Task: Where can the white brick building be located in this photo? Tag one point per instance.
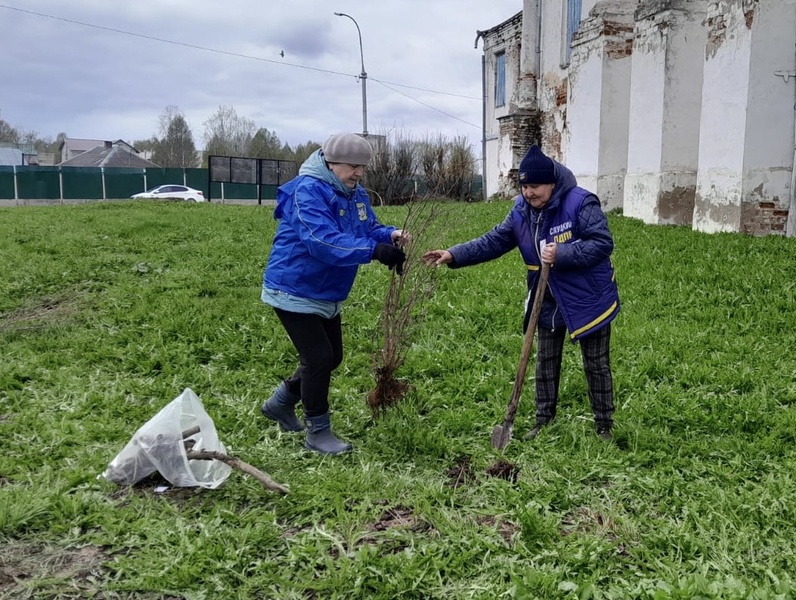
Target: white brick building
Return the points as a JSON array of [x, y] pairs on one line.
[[676, 111]]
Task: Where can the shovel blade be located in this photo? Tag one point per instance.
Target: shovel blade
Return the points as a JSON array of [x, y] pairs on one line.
[[501, 436]]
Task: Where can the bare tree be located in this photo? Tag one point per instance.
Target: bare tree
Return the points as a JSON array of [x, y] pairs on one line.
[[175, 146], [227, 134], [448, 167], [169, 113], [28, 141], [8, 134], [392, 172]]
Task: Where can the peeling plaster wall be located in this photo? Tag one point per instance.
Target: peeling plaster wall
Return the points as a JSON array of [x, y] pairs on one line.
[[645, 136], [553, 100], [671, 109], [599, 100], [746, 139], [768, 157], [553, 82], [717, 204], [665, 107], [582, 135]]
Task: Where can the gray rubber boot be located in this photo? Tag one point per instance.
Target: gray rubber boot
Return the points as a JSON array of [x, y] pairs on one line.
[[281, 407], [321, 439]]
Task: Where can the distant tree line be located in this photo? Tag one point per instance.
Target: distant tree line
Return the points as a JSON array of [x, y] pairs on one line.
[[19, 137], [225, 134], [402, 168]]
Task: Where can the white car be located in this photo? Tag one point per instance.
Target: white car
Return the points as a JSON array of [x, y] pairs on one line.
[[173, 192]]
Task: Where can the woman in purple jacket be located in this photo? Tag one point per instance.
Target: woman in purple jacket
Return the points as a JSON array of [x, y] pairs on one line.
[[555, 222]]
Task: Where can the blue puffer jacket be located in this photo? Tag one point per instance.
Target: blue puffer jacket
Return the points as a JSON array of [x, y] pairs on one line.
[[325, 232], [582, 293]]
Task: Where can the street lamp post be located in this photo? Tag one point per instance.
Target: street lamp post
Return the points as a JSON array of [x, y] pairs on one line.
[[363, 76]]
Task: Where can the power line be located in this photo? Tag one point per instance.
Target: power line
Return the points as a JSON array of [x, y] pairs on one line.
[[165, 41], [411, 87], [227, 53], [426, 105]]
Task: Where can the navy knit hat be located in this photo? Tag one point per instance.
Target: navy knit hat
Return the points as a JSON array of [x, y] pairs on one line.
[[536, 168]]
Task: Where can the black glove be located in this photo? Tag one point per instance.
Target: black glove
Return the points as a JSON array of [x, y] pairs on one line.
[[390, 255]]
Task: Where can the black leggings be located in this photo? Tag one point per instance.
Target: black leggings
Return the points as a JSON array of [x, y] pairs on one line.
[[319, 342]]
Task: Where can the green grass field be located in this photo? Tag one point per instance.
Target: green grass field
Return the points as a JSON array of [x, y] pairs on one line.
[[109, 310]]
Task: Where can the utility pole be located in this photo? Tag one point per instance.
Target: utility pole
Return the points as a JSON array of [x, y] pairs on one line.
[[363, 76]]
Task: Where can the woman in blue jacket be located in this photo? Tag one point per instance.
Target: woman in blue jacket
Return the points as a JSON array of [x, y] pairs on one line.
[[327, 228], [555, 222]]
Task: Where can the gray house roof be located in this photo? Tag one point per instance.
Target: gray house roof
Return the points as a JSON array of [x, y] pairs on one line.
[[10, 156], [109, 154], [79, 144]]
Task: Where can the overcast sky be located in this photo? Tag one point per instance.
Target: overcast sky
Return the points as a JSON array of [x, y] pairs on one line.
[[103, 69]]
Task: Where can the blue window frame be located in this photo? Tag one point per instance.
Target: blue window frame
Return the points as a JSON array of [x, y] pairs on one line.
[[573, 21], [500, 79]]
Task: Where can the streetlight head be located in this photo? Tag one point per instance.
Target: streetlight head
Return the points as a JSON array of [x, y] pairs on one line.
[[338, 14]]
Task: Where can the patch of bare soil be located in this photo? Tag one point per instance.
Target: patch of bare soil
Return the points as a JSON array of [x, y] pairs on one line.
[[506, 529], [24, 562], [39, 314], [503, 469], [36, 570], [394, 520], [461, 473], [584, 520]]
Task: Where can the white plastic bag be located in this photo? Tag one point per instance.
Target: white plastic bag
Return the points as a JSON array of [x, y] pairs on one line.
[[159, 446]]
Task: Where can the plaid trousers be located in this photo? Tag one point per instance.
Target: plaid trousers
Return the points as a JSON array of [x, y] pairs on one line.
[[596, 352]]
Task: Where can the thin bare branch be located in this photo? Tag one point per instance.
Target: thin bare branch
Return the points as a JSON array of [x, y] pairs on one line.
[[238, 464]]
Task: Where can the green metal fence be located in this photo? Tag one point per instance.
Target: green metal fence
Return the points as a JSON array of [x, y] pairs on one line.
[[21, 183], [24, 183]]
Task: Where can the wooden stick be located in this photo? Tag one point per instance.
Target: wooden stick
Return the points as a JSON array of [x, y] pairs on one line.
[[236, 463], [501, 434]]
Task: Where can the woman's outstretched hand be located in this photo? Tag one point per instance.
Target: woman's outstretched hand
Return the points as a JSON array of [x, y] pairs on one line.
[[436, 258]]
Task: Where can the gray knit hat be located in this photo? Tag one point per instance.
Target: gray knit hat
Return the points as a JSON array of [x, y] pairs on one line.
[[347, 148]]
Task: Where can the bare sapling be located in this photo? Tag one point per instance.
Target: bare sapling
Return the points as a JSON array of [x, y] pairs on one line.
[[403, 305]]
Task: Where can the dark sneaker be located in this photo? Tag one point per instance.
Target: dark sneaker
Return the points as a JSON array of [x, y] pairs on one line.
[[533, 433], [604, 433]]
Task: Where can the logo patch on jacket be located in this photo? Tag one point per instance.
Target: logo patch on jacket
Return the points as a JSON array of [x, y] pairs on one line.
[[363, 214], [561, 233]]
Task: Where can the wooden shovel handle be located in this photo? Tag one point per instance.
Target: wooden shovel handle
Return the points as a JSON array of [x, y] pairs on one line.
[[527, 347]]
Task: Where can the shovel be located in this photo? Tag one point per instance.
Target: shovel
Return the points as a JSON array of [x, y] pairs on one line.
[[501, 434]]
